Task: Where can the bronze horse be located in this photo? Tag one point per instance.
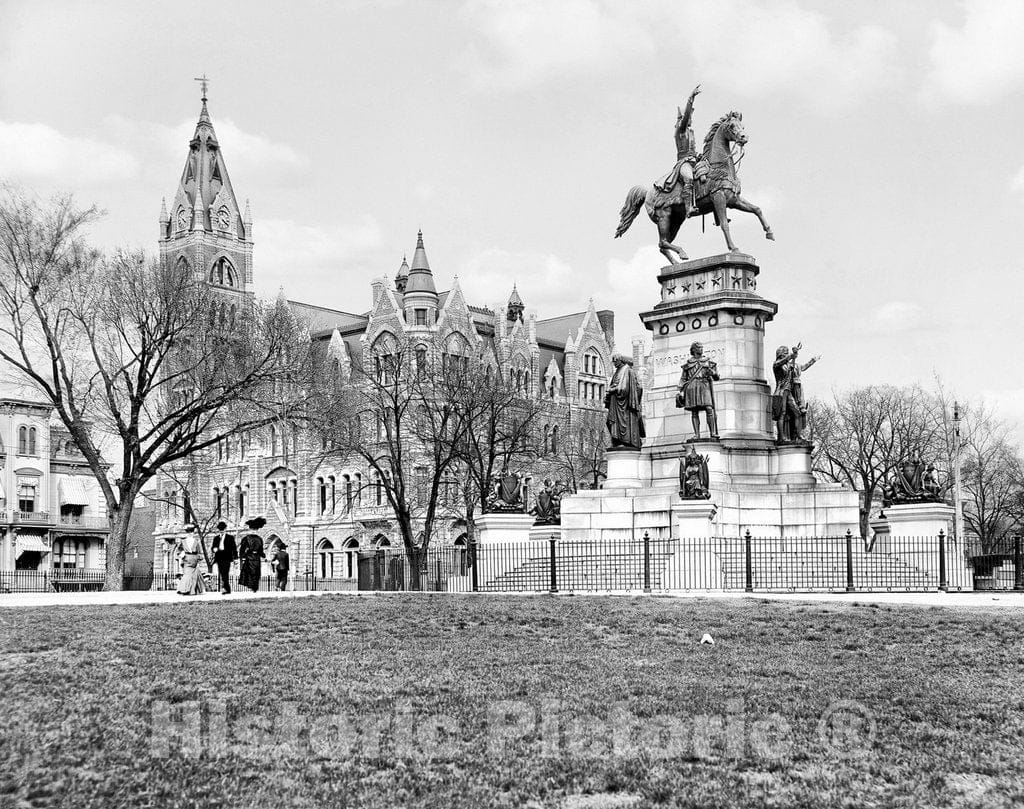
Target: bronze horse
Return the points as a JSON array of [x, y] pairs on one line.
[[716, 187]]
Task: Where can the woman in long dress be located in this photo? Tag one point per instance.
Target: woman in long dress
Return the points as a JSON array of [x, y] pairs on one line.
[[251, 555], [191, 583]]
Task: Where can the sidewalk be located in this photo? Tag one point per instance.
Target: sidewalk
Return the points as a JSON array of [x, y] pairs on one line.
[[1000, 600]]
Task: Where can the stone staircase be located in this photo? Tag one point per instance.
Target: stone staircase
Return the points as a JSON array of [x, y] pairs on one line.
[[776, 565], [825, 569], [585, 566]]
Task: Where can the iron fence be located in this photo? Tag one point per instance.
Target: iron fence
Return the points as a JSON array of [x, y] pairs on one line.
[[633, 564]]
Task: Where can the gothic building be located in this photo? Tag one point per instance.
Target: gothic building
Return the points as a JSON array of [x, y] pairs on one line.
[[326, 510]]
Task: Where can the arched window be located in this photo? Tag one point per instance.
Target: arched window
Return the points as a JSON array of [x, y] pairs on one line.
[[554, 438], [273, 440], [359, 489], [325, 556], [23, 440], [547, 435], [272, 489], [378, 487], [351, 547], [421, 361], [222, 273], [348, 492], [334, 493], [321, 486]]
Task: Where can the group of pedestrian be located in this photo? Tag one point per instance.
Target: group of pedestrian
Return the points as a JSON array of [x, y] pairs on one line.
[[249, 553]]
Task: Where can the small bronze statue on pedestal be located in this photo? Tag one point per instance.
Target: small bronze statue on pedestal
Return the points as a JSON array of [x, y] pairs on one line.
[[696, 392], [693, 476], [548, 508], [912, 483], [507, 495], [789, 410]]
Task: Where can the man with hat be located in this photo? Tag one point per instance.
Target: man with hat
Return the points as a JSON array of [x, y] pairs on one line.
[[225, 551], [251, 554], [281, 564]]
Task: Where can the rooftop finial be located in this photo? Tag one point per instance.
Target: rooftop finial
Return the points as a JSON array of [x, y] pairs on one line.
[[203, 84], [419, 238]]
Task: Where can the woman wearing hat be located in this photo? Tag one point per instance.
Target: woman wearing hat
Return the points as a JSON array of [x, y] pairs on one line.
[[251, 554], [191, 583]]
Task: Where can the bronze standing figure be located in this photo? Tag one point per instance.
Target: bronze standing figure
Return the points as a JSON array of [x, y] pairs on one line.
[[696, 391], [715, 182]]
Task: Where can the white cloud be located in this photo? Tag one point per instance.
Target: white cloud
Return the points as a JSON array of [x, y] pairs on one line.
[[779, 47], [895, 317], [529, 41], [38, 153], [547, 284], [288, 252], [981, 60], [748, 48]]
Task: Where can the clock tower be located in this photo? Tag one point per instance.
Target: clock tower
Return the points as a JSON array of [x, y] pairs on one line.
[[204, 228]]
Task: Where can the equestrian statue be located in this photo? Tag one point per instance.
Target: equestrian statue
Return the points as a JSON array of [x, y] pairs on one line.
[[702, 184]]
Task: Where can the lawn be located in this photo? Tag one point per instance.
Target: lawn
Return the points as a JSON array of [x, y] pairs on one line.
[[448, 701]]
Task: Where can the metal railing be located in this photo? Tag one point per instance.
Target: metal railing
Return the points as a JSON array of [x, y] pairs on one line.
[[639, 564], [81, 521], [34, 517]]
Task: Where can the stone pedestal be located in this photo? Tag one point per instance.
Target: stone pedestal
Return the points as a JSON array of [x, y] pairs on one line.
[[623, 469], [499, 527], [693, 519], [713, 301], [910, 532], [543, 533]]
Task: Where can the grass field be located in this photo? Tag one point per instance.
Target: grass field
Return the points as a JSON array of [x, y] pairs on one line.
[[485, 701]]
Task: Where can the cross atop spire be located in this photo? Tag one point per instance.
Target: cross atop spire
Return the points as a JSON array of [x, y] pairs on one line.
[[203, 83]]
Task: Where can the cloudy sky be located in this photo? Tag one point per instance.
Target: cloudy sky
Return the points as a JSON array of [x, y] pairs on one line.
[[884, 148]]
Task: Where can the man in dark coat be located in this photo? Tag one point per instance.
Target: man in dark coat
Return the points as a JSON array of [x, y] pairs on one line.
[[225, 552], [624, 419], [281, 566], [251, 554]]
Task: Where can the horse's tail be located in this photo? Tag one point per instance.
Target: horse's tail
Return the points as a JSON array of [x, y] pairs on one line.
[[634, 202]]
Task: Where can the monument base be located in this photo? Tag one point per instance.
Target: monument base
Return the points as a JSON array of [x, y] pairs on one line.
[[499, 527], [623, 468]]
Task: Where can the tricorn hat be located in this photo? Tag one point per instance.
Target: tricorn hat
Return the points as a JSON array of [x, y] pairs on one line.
[[255, 523]]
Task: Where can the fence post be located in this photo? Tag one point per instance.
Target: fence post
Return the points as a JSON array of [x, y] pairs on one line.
[[749, 563], [943, 584], [473, 575], [1018, 565], [849, 561], [647, 562], [554, 577]]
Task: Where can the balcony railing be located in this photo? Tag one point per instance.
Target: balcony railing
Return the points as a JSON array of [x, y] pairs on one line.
[[33, 517], [82, 521]]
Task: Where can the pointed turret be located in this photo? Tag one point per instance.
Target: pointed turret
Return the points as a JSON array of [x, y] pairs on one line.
[[420, 297], [421, 279], [402, 277], [515, 305], [205, 187]]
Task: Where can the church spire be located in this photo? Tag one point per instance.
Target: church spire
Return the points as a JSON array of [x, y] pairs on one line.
[[421, 279]]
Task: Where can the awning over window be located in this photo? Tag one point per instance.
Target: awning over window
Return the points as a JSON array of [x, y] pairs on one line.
[[72, 492], [29, 542]]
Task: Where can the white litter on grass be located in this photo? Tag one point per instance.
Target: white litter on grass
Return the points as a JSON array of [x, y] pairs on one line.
[[708, 639]]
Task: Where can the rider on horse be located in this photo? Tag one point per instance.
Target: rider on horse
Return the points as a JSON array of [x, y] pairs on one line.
[[686, 155]]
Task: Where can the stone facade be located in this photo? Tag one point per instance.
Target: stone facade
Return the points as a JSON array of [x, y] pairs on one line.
[[327, 508]]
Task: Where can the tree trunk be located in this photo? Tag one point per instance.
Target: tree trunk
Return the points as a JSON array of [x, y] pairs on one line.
[[117, 542]]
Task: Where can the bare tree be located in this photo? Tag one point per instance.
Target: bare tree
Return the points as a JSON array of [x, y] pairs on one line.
[[863, 434], [130, 350], [579, 454], [403, 423], [499, 433]]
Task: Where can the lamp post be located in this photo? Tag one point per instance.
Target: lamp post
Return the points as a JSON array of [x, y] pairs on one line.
[[958, 518]]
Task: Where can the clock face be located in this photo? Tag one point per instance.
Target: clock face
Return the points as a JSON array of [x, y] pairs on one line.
[[182, 219], [224, 218]]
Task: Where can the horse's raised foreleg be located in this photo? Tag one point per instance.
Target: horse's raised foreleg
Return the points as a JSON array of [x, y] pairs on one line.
[[667, 230], [741, 204], [719, 201]]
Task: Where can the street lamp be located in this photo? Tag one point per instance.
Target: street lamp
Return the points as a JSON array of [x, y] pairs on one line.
[[958, 518]]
